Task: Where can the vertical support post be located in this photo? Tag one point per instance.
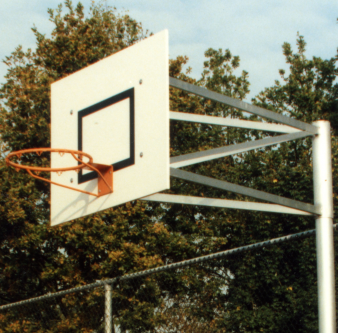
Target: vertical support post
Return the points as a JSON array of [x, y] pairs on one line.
[[108, 315], [322, 181]]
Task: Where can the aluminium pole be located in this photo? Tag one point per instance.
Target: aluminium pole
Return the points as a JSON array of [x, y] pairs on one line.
[[108, 322], [323, 197]]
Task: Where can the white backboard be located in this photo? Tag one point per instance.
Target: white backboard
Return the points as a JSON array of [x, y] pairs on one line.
[[116, 110]]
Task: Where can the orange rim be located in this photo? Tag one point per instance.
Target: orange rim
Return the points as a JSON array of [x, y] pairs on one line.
[[39, 151]]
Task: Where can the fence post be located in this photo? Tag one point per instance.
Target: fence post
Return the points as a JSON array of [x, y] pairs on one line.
[[108, 315], [322, 182]]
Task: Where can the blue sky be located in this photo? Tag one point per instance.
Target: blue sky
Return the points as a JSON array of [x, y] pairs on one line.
[[254, 30]]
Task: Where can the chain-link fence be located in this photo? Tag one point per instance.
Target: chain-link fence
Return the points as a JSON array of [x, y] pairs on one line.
[[265, 287]]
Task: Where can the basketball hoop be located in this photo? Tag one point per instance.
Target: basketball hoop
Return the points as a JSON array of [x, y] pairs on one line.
[[104, 172]]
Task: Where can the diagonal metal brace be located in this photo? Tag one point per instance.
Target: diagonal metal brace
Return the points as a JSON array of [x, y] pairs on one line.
[[223, 185], [191, 88], [223, 203], [207, 155]]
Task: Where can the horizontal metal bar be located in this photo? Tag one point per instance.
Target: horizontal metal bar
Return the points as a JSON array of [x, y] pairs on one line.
[[168, 267], [223, 185], [222, 203], [211, 120], [207, 155], [191, 88]]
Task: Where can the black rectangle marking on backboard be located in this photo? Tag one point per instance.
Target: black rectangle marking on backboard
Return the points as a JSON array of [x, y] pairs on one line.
[[128, 94]]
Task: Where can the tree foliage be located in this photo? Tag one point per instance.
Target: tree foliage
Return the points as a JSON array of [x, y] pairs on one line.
[[36, 259]]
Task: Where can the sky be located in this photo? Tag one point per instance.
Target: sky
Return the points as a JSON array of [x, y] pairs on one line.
[[253, 30]]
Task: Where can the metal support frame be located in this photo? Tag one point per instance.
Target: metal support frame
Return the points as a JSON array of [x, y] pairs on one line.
[[322, 180], [108, 313]]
